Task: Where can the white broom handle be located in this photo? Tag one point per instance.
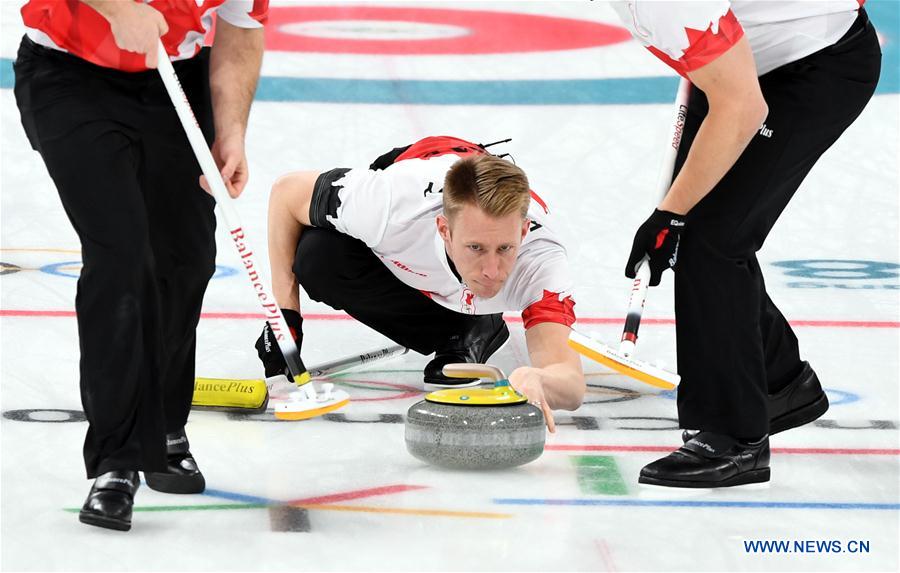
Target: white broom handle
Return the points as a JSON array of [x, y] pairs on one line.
[[342, 364], [676, 130], [642, 277], [235, 230]]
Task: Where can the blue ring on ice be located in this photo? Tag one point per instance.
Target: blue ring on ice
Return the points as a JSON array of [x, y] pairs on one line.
[[57, 269]]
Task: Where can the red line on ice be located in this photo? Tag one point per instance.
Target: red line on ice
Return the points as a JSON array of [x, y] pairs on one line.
[[831, 451], [582, 320], [38, 313], [606, 554]]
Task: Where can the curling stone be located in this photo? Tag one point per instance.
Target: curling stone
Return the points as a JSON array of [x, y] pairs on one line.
[[475, 428]]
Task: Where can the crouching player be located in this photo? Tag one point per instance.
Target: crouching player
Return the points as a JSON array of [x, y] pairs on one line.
[[429, 246]]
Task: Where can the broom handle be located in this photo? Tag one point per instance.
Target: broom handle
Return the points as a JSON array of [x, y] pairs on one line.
[[342, 364], [642, 277], [232, 221]]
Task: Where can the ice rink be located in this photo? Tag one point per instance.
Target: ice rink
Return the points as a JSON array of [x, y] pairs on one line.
[[587, 110]]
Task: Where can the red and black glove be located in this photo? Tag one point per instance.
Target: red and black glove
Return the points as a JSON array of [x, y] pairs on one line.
[[267, 347], [657, 239]]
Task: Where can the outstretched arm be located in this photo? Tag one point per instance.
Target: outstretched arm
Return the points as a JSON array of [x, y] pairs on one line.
[[555, 380], [288, 215]]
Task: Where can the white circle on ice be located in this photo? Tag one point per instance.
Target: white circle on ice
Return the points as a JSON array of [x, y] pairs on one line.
[[374, 30], [49, 416]]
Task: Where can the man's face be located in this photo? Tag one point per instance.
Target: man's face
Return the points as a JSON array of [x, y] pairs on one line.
[[483, 248]]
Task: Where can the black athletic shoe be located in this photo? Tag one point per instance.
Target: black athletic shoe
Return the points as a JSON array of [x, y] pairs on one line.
[[110, 500], [182, 475], [800, 402], [711, 460], [475, 346]]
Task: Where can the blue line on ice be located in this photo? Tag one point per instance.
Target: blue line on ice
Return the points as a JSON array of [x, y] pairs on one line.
[[709, 503]]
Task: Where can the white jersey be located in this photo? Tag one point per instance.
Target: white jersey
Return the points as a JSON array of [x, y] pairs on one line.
[[689, 35], [77, 28], [393, 212]]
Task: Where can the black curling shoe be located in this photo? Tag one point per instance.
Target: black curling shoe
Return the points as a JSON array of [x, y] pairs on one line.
[[711, 460], [110, 500], [486, 337], [182, 474], [800, 402]]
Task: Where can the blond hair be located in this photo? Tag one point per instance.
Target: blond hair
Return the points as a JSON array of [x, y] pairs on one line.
[[496, 186]]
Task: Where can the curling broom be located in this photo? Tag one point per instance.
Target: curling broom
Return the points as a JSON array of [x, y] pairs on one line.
[[307, 402], [621, 360], [251, 396]]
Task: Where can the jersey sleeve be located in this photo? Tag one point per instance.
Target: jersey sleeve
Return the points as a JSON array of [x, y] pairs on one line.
[[546, 290], [684, 35], [553, 307], [245, 13]]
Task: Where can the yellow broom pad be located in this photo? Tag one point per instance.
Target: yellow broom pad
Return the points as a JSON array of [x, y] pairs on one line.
[[628, 366], [230, 394], [313, 409]]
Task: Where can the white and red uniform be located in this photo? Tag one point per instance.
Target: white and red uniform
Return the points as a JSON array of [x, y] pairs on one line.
[[75, 27], [393, 212], [689, 35]]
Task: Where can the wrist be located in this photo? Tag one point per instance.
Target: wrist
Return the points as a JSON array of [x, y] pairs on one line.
[[672, 205], [230, 127], [230, 133], [537, 374]]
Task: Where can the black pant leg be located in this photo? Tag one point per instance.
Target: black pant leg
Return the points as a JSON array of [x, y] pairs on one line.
[[719, 348], [93, 160], [182, 229], [724, 357], [345, 274], [781, 350]]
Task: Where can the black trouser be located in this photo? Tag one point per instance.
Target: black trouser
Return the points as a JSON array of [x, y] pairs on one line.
[[345, 274], [734, 345], [127, 178]]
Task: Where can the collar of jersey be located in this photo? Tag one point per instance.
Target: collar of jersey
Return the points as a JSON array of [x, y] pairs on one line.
[[441, 252]]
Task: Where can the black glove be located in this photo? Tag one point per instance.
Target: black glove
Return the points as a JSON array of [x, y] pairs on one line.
[[658, 240], [267, 346]]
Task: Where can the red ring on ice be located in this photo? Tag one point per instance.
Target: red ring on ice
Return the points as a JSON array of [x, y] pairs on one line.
[[489, 32], [404, 390]]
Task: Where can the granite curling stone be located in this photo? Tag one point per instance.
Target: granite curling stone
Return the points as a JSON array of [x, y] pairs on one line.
[[475, 428]]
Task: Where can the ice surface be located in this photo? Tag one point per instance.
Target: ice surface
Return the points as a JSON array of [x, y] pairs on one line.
[[368, 504]]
